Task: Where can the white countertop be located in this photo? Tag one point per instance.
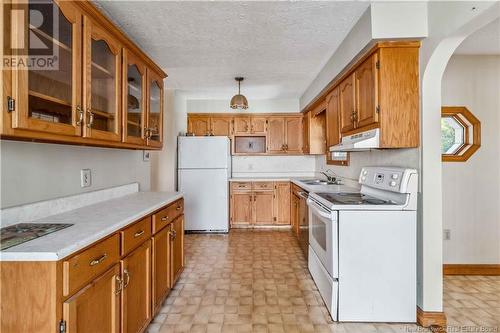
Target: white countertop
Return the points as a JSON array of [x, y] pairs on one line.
[[90, 223], [297, 181]]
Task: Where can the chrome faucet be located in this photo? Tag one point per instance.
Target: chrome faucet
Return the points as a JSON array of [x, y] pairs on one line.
[[331, 178]]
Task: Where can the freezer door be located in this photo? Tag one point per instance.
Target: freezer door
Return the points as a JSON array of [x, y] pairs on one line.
[[204, 152], [206, 199]]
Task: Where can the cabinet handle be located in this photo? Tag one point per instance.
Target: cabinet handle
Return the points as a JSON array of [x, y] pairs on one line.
[[98, 260], [178, 208], [127, 281], [139, 233], [80, 116], [120, 285], [91, 118], [173, 234], [164, 218]]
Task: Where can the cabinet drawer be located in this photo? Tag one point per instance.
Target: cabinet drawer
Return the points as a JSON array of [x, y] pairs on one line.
[[167, 215], [135, 234], [241, 185], [263, 186], [85, 266]]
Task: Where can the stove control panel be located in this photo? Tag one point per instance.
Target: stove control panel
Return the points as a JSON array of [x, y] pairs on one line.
[[386, 178]]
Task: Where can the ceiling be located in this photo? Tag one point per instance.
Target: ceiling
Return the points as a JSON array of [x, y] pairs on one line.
[[278, 46], [485, 41]]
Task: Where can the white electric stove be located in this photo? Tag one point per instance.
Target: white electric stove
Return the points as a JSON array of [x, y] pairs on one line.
[[362, 247]]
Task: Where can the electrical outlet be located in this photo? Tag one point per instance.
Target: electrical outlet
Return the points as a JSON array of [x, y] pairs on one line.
[[85, 178], [446, 234], [145, 155]]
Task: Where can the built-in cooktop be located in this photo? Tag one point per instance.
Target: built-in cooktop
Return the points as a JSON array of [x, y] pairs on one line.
[[22, 232], [353, 199]]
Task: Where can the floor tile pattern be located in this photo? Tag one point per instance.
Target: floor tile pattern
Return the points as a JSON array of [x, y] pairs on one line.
[[257, 281]]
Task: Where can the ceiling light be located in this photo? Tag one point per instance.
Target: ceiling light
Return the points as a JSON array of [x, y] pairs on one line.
[[239, 101]]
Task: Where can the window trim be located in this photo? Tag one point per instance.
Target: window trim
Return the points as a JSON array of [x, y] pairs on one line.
[[462, 115]]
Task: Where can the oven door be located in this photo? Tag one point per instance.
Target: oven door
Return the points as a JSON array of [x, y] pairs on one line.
[[323, 236]]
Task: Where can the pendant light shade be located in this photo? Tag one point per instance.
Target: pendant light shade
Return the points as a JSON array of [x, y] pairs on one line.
[[239, 101]]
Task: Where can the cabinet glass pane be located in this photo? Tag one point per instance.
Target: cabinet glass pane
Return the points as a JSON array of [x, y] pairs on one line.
[[50, 93], [154, 110], [103, 85], [134, 98]]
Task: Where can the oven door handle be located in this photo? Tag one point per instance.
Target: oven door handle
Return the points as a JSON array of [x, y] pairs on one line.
[[320, 211]]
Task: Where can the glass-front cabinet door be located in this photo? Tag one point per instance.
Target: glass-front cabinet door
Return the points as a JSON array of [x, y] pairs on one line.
[[155, 110], [46, 83], [134, 99], [101, 89]]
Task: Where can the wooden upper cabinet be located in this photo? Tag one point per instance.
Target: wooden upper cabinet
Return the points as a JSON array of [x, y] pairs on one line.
[[276, 135], [333, 118], [177, 248], [221, 126], [282, 202], [258, 125], [293, 135], [242, 125], [347, 104], [96, 308], [263, 208], [134, 99], [366, 81], [306, 120], [49, 99], [199, 126], [154, 128], [101, 82]]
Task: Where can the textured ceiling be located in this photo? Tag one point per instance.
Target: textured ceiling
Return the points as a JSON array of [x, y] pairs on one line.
[[279, 47], [485, 41]]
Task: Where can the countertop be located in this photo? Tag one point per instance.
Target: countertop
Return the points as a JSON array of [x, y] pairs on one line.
[[297, 181], [90, 223]]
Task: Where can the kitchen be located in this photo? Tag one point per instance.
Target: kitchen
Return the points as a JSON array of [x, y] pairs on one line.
[[296, 209]]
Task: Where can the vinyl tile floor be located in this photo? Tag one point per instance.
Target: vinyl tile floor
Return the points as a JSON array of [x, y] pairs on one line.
[[257, 281]]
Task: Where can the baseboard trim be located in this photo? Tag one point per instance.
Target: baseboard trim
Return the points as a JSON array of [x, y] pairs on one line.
[[471, 269], [436, 321]]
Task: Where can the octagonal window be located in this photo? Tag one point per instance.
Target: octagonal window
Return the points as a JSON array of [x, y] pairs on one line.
[[460, 134]]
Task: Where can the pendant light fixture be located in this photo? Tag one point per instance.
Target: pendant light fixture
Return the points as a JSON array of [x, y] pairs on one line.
[[239, 101]]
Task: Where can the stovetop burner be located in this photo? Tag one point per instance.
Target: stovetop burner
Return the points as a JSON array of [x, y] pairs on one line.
[[22, 232], [353, 199]]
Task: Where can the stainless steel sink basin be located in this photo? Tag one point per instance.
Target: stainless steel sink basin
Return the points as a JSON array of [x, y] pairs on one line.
[[317, 182]]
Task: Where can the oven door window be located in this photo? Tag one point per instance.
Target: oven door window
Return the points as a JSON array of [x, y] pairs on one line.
[[319, 231]]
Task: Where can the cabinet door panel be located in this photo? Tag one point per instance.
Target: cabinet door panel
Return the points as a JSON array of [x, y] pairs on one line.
[[263, 207], [333, 118], [222, 126], [95, 308], [48, 99], [134, 99], [199, 126], [136, 296], [155, 110], [276, 135], [293, 142], [346, 104], [367, 92], [258, 125], [101, 83], [161, 266], [177, 248], [241, 125], [282, 202], [241, 208]]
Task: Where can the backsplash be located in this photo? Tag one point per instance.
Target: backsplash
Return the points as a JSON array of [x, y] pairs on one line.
[[273, 166]]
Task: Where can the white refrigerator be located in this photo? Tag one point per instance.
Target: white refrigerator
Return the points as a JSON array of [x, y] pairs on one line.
[[204, 169]]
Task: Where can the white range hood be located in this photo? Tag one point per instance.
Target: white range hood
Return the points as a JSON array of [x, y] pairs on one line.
[[359, 142]]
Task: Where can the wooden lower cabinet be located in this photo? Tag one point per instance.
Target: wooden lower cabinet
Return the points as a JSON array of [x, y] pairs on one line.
[[260, 203], [177, 248], [95, 308], [161, 266], [136, 289]]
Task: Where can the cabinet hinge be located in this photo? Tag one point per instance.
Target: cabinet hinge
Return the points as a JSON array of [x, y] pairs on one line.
[[377, 64], [377, 109], [11, 104], [62, 326]]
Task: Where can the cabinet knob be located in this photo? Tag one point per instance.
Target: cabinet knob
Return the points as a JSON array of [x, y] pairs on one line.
[[164, 218]]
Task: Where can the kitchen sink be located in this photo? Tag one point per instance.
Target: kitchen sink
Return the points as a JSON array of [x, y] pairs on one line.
[[317, 182]]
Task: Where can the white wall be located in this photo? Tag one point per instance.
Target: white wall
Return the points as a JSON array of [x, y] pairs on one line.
[[33, 172], [274, 166], [471, 190], [254, 106]]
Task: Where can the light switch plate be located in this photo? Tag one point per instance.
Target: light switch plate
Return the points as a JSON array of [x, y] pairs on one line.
[[446, 234], [85, 178], [145, 155]]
